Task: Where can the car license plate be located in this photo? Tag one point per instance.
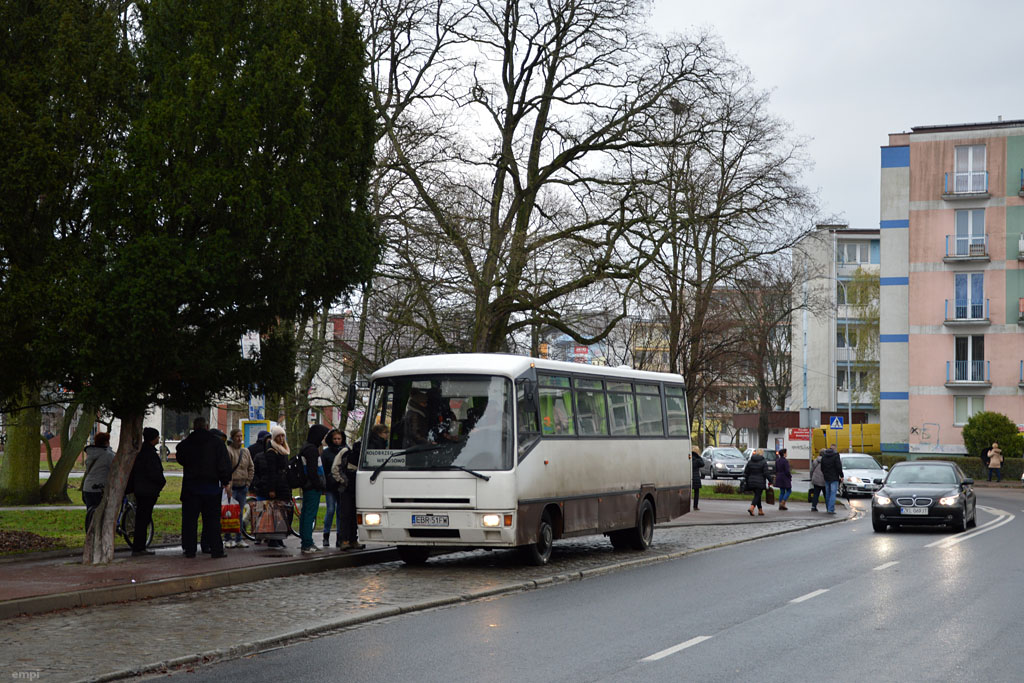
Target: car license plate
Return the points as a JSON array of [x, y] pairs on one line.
[[430, 520], [913, 511]]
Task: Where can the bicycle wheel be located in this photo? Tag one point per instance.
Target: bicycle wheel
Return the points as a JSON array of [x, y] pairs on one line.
[[247, 518], [126, 522], [295, 513]]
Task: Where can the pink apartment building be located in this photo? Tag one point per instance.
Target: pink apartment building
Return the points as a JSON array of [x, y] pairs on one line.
[[952, 282]]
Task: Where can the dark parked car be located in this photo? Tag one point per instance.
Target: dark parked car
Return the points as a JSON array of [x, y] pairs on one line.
[[925, 492], [722, 461]]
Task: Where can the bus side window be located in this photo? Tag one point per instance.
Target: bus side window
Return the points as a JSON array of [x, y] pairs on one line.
[[556, 413], [528, 430]]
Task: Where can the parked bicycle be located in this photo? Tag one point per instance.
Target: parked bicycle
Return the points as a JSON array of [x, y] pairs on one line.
[[293, 517], [126, 521]]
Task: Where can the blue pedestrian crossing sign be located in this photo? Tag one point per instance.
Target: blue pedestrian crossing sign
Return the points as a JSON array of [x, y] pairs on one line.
[[836, 423]]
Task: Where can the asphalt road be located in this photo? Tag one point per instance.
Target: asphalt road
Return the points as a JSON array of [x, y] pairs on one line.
[[835, 603]]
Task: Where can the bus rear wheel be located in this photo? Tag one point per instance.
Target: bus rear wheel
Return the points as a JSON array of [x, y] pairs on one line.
[[414, 554], [640, 537], [539, 553]]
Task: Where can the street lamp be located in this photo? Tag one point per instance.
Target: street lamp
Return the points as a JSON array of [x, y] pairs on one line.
[[849, 387]]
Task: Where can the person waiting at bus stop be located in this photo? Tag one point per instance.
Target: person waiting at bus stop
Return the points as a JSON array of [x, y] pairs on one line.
[[206, 469], [313, 486], [696, 463], [147, 481]]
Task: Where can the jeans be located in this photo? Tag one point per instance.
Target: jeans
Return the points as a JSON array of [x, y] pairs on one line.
[[831, 489], [239, 494], [333, 512], [998, 471], [92, 500], [784, 494], [307, 519]]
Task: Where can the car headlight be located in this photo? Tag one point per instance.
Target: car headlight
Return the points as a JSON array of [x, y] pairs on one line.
[[720, 466], [371, 519], [853, 480], [491, 520], [883, 500], [949, 500]]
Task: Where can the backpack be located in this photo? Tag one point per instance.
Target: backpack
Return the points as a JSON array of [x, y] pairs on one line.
[[296, 472]]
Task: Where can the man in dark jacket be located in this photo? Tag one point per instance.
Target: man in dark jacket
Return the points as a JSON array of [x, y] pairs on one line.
[[697, 464], [147, 481], [206, 471], [832, 470], [314, 486]]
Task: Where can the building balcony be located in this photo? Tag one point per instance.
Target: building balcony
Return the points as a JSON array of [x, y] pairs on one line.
[[968, 373], [968, 313], [962, 248], [965, 185]]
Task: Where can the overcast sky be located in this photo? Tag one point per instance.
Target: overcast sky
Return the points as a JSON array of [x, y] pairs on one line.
[[848, 74]]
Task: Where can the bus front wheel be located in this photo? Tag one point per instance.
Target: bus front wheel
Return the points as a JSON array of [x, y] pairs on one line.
[[539, 553], [414, 554]]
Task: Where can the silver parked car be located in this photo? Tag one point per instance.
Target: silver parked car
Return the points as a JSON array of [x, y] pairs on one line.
[[722, 461], [860, 471]]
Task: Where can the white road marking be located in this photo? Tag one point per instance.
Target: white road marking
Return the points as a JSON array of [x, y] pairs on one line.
[[1003, 517], [675, 648], [886, 565], [812, 594]]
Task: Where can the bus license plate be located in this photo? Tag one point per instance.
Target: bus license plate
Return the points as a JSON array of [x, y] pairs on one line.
[[913, 511], [430, 520]]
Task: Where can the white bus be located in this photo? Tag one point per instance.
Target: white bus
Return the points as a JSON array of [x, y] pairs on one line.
[[501, 451]]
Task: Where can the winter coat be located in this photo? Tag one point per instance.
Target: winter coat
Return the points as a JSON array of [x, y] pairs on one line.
[[831, 466], [697, 463], [270, 469], [327, 458], [147, 477], [97, 468], [310, 455], [817, 478], [204, 461], [756, 472], [783, 475], [345, 465], [995, 458], [242, 470]]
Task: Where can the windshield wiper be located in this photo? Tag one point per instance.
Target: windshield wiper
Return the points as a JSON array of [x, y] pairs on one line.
[[466, 469], [418, 448]]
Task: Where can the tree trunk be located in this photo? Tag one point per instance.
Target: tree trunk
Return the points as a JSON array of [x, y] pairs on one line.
[[19, 471], [55, 490], [99, 540]]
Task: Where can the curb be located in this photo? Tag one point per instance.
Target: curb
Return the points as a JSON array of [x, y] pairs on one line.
[[186, 584], [257, 646]]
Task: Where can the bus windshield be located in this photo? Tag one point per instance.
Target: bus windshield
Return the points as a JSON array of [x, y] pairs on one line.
[[440, 421]]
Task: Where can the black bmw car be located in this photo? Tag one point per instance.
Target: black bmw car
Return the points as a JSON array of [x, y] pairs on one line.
[[924, 492]]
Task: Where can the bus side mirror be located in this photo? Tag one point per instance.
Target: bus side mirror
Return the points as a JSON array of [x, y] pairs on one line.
[[350, 398], [529, 387]]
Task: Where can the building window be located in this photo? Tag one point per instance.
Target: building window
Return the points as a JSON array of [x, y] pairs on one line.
[[969, 296], [844, 342], [853, 252], [970, 358], [970, 169], [841, 294], [970, 232], [965, 407]]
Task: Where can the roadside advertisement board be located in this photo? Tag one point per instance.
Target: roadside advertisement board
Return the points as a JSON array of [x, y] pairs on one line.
[[798, 446]]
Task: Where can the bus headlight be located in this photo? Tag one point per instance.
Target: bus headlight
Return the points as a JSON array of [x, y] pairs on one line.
[[492, 520], [371, 519]]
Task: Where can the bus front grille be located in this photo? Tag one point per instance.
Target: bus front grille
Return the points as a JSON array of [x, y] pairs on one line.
[[433, 533], [430, 501]]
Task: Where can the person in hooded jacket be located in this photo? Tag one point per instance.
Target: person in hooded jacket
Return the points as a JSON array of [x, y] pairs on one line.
[[832, 470], [783, 478], [334, 442], [270, 479], [313, 487], [817, 481], [756, 473], [696, 463], [345, 465], [98, 457], [147, 481]]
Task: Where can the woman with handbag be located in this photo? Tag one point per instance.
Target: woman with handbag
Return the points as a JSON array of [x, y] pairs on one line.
[[783, 478], [756, 473]]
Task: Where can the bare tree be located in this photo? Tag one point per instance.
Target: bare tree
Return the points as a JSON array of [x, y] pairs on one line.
[[503, 122]]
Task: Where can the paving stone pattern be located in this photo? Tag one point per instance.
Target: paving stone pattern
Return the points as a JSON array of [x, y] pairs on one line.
[[94, 643]]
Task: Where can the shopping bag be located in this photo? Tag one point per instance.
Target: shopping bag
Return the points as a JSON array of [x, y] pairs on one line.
[[769, 495], [230, 514], [270, 519]]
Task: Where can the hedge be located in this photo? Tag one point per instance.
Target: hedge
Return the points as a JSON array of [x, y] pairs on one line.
[[972, 467]]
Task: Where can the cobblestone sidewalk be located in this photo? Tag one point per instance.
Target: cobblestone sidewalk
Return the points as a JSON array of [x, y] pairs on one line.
[[113, 641]]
